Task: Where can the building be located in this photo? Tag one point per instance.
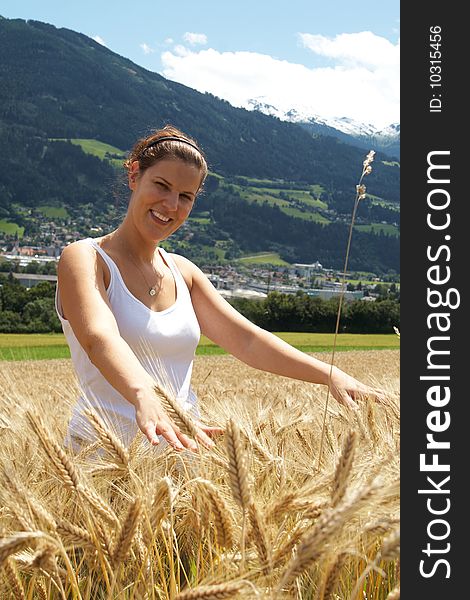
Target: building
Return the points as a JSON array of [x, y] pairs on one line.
[[306, 270], [31, 279]]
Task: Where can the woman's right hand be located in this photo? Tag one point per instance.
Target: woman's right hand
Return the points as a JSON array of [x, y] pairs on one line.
[[154, 421]]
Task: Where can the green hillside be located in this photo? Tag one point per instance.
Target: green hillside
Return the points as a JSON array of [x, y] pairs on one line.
[[70, 109]]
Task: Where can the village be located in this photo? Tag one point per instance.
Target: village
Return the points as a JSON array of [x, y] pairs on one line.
[[33, 258]]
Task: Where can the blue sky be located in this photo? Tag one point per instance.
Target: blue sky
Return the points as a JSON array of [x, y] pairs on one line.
[[333, 59]]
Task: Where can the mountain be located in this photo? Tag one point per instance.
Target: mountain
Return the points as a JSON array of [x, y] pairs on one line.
[[363, 135], [60, 89]]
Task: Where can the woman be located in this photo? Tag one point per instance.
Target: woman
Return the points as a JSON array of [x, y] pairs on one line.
[[133, 314]]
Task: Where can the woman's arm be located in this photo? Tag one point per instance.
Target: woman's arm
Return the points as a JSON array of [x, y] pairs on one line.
[[258, 348], [85, 305]]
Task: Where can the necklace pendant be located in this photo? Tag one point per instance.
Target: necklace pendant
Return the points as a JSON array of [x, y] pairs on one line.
[[152, 291]]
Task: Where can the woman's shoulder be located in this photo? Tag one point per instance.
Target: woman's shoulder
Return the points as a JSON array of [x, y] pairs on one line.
[[79, 254], [187, 268]]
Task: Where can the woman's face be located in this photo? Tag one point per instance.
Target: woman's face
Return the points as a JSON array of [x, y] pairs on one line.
[[162, 196]]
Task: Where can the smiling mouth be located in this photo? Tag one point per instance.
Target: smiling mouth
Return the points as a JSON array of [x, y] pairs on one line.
[[159, 217]]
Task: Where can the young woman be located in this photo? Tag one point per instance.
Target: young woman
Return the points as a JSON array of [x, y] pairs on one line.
[[133, 314]]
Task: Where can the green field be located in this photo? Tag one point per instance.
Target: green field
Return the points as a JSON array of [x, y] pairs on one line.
[[386, 228], [58, 212], [49, 346], [263, 258], [99, 149], [295, 203], [11, 228]]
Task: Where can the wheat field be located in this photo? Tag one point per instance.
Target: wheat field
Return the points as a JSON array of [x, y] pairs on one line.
[[263, 515]]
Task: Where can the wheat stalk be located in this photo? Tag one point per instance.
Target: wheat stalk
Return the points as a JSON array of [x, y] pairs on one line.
[[388, 551]]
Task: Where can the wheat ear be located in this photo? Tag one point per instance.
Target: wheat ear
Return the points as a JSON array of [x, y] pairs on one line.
[[223, 517], [40, 587], [331, 577], [97, 502], [126, 535], [285, 551], [110, 441], [380, 527], [181, 417], [54, 451], [74, 535], [237, 467], [391, 546], [13, 580], [45, 559], [68, 471], [312, 545], [259, 451], [16, 542], [258, 534], [158, 508], [343, 468], [25, 496], [104, 542], [212, 592], [394, 594]]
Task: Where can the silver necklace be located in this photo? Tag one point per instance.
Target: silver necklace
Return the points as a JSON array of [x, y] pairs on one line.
[[153, 291]]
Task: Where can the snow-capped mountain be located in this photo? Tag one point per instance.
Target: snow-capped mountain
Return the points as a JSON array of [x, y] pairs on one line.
[[349, 131]]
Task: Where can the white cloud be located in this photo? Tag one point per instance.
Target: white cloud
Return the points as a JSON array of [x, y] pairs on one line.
[[146, 48], [195, 38], [100, 40], [181, 51], [168, 40], [363, 49], [362, 84]]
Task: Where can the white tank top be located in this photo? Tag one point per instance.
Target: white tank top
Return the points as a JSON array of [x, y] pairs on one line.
[[163, 341]]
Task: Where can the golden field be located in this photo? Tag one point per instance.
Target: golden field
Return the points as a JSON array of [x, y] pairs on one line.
[[275, 511]]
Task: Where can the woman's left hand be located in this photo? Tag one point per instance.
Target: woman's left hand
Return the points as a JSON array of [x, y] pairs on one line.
[[346, 390]]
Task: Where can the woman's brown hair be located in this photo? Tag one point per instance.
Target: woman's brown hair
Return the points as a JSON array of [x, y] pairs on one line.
[[147, 151]]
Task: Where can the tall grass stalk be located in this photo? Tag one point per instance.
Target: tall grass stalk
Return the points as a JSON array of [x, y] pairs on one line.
[[360, 195]]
